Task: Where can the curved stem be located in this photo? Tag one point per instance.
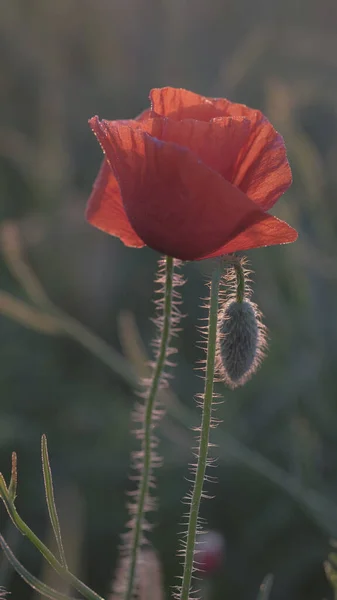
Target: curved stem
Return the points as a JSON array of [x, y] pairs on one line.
[[204, 435], [234, 261], [47, 554], [148, 425], [36, 584]]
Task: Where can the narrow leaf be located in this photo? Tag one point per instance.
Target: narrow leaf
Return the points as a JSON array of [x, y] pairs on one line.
[[34, 583], [265, 587], [48, 484], [14, 478]]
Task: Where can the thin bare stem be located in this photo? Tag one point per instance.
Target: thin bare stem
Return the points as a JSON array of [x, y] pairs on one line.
[[36, 584], [204, 436], [46, 553], [148, 425]]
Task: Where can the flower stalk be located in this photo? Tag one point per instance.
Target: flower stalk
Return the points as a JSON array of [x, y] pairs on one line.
[[240, 280], [147, 442], [204, 435]]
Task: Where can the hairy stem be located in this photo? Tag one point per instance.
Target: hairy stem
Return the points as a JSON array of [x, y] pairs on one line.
[[204, 436], [240, 281], [148, 425]]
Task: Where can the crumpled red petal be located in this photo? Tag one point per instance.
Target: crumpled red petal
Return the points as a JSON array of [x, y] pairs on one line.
[[179, 104], [272, 231], [174, 202], [262, 170], [105, 208], [217, 143]]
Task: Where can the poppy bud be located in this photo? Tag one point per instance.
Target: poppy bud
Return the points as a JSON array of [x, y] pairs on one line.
[[241, 339], [210, 553]]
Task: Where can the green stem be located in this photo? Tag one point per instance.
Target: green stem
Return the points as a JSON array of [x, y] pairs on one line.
[[148, 426], [204, 436], [36, 584], [240, 280], [47, 554]]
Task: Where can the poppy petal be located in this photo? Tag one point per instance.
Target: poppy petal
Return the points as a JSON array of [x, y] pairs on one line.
[[217, 143], [145, 114], [262, 170], [268, 232], [179, 104], [105, 208], [174, 202]]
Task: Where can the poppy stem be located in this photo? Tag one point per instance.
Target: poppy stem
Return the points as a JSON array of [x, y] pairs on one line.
[[147, 463], [240, 281], [237, 263], [204, 435]]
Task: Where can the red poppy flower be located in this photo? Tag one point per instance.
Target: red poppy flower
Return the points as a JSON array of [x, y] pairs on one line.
[[192, 177]]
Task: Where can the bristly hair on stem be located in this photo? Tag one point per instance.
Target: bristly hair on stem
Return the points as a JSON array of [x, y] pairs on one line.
[[149, 581], [188, 544], [147, 415]]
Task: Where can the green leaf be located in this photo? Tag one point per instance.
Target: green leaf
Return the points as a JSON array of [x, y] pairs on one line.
[[48, 485], [265, 587], [34, 583]]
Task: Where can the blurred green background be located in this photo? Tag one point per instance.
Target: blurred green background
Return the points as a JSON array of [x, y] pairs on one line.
[[62, 61]]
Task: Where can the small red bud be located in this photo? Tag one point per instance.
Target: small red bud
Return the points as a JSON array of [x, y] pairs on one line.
[[210, 552]]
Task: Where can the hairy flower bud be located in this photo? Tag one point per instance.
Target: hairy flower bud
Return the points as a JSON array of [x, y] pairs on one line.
[[241, 340]]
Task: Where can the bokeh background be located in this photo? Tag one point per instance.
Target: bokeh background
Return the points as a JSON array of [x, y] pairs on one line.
[[62, 61]]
